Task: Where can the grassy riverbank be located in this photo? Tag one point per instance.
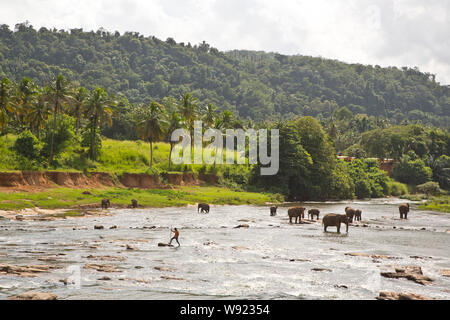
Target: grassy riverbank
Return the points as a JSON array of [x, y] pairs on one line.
[[441, 203], [72, 198]]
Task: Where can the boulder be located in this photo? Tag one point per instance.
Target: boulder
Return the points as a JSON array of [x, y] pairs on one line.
[[25, 271], [102, 267], [322, 269], [401, 296], [164, 245], [170, 278], [107, 258], [337, 286], [98, 227], [239, 248], [412, 273], [446, 272], [31, 295], [164, 269]]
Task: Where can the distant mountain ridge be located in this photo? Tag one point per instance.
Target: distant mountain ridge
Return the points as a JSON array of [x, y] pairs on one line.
[[254, 84]]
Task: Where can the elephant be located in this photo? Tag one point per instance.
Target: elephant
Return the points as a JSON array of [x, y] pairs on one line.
[[358, 215], [335, 220], [134, 203], [296, 212], [273, 211], [404, 209], [106, 203], [313, 212], [350, 212], [204, 207]]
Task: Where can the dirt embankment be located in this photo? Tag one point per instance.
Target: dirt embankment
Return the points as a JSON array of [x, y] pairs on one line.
[[35, 180]]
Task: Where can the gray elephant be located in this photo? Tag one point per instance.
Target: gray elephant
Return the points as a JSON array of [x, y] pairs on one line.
[[313, 212], [350, 212], [358, 215], [204, 207], [404, 209], [335, 220], [106, 203], [273, 211], [296, 212]]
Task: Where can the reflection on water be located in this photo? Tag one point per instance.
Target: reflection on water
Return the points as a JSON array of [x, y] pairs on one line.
[[269, 260]]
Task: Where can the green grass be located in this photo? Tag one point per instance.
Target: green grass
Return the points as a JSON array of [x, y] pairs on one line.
[[440, 203], [72, 198], [116, 156]]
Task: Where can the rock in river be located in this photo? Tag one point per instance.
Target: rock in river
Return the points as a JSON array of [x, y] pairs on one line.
[[401, 296], [102, 267], [412, 273], [31, 295]]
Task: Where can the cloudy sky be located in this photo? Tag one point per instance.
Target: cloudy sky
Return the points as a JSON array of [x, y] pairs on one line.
[[384, 32]]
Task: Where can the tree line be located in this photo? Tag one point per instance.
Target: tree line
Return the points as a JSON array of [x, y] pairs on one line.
[[48, 113], [48, 119], [253, 85]]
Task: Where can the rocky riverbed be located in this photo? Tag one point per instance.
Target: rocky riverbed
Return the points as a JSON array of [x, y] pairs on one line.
[[234, 252]]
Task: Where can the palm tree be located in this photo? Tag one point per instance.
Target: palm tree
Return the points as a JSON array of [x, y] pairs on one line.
[[209, 117], [26, 97], [99, 111], [175, 122], [38, 114], [58, 93], [189, 109], [80, 100], [151, 128], [226, 121], [6, 102]]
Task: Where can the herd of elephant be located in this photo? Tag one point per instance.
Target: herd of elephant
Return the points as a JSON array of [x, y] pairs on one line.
[[330, 219], [333, 219]]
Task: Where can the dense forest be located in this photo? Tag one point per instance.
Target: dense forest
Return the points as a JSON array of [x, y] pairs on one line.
[[253, 85], [62, 93]]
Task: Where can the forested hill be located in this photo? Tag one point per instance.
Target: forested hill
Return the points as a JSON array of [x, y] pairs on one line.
[[255, 85]]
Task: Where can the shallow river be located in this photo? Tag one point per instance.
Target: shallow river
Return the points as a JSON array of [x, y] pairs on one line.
[[269, 260]]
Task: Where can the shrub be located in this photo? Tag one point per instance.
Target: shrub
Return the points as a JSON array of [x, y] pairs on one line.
[[27, 145], [397, 188], [341, 185], [64, 136], [356, 151], [411, 171], [429, 188]]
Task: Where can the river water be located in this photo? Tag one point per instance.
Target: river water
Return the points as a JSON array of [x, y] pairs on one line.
[[271, 259]]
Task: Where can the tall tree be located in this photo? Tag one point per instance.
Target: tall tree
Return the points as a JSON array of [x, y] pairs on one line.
[[6, 102], [175, 122], [99, 111], [189, 109], [210, 115], [80, 100], [38, 114], [58, 93], [151, 128], [27, 93], [225, 121]]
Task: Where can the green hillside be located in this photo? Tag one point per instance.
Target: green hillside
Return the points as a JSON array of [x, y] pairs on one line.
[[253, 85]]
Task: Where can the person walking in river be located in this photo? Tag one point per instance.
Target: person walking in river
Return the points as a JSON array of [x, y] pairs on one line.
[[175, 236]]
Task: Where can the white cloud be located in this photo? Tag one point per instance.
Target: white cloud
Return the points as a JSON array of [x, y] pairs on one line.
[[384, 32]]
